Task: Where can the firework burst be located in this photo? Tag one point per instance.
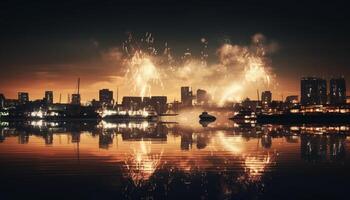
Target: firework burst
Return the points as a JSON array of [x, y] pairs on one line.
[[143, 73], [240, 70]]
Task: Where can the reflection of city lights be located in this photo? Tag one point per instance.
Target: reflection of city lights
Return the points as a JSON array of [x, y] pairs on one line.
[[294, 128], [37, 123], [4, 113], [107, 112], [319, 129], [54, 124], [107, 125], [54, 114], [132, 125], [39, 114], [144, 125], [4, 123], [143, 113]]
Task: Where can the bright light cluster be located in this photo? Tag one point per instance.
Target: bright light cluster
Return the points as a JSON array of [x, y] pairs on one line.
[[38, 114], [107, 112]]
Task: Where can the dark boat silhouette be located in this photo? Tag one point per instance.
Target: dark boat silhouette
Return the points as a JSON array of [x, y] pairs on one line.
[[205, 123], [206, 117]]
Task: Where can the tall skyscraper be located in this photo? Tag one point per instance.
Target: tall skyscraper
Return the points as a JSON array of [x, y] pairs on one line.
[[313, 91], [186, 96], [202, 97], [48, 97], [337, 91], [23, 97], [106, 97]]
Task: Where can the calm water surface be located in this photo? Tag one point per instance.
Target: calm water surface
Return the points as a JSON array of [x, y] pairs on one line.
[[173, 160]]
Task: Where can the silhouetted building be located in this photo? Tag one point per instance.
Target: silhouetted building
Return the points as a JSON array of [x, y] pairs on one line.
[[266, 98], [174, 106], [202, 97], [293, 99], [337, 91], [146, 102], [11, 102], [95, 104], [277, 106], [48, 97], [159, 104], [248, 104], [186, 96], [106, 97], [76, 99], [313, 91], [2, 101], [23, 97], [132, 103]]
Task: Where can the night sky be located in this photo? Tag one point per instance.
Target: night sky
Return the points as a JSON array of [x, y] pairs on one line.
[[46, 45]]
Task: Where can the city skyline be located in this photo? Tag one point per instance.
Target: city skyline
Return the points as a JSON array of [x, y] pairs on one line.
[[174, 99], [313, 91]]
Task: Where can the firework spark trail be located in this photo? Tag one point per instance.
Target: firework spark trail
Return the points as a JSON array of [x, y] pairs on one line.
[[143, 73], [240, 70]]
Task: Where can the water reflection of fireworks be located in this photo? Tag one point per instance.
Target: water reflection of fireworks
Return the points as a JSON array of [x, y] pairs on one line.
[[141, 163], [255, 166]]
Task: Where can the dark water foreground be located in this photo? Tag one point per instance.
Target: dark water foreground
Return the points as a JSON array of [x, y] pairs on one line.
[[42, 160]]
